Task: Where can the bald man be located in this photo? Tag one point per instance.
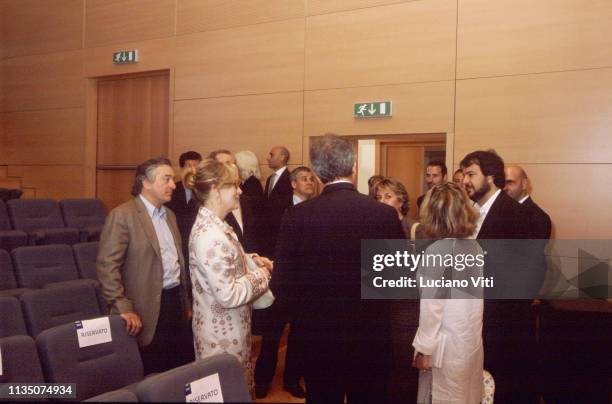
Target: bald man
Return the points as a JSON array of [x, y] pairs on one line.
[[518, 188]]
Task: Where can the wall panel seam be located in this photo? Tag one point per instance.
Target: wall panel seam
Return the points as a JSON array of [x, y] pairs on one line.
[[364, 8], [535, 73], [242, 26], [237, 95], [41, 110], [399, 83]]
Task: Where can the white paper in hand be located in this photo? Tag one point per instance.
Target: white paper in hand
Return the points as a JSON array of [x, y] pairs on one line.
[[93, 332], [204, 390]]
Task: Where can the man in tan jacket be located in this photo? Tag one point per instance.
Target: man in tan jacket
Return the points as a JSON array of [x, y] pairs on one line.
[[141, 270]]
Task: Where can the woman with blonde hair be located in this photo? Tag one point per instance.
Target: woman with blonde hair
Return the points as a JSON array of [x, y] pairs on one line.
[[224, 278], [448, 342], [393, 193]]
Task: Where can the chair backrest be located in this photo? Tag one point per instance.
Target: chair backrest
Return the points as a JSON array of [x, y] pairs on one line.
[[20, 363], [85, 255], [37, 266], [7, 275], [115, 396], [80, 213], [12, 318], [5, 221], [58, 305], [172, 385], [35, 214], [95, 369]]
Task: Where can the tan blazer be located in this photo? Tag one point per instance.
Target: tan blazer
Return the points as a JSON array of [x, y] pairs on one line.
[[129, 265]]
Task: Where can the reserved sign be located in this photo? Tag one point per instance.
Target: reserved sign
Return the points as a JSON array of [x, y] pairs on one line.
[[93, 332], [204, 390]]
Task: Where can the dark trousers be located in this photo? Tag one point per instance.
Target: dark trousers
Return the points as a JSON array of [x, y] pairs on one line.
[[172, 344], [510, 350], [266, 362], [327, 384]]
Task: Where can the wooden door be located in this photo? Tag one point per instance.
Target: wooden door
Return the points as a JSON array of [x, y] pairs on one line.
[[404, 162], [132, 126]]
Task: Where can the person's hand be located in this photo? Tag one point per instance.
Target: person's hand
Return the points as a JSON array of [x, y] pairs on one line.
[[421, 362], [189, 314], [133, 325], [264, 262]]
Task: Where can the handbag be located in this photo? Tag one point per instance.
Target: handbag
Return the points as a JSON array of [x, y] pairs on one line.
[[267, 298]]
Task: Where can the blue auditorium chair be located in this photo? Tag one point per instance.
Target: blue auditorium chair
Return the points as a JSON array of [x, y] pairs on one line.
[[42, 220], [20, 363], [12, 318], [40, 266], [85, 255], [87, 215], [62, 304], [8, 284], [170, 386], [10, 238], [95, 369]]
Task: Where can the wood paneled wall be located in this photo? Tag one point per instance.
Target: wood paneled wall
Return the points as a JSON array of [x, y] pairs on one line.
[[529, 79]]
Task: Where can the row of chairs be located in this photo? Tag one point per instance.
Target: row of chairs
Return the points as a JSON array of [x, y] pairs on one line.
[[38, 310], [36, 267], [111, 371], [46, 221]]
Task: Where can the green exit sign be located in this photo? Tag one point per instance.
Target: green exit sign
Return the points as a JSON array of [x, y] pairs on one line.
[[123, 57], [376, 109]]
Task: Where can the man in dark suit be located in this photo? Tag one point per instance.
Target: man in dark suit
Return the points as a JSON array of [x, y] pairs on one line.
[[142, 273], [303, 183], [508, 329], [183, 204], [279, 196], [345, 340], [518, 187]]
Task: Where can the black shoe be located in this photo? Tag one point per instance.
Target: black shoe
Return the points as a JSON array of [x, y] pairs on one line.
[[296, 391], [261, 391]]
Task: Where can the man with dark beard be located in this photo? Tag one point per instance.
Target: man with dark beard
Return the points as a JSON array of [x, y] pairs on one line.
[[508, 330]]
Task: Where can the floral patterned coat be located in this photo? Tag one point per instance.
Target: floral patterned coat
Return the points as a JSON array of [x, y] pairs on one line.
[[223, 290]]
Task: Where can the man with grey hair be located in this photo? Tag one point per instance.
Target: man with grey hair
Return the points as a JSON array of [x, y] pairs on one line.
[[141, 270], [344, 341]]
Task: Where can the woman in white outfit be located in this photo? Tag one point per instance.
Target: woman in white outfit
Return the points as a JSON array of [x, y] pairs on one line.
[[448, 342], [224, 283]]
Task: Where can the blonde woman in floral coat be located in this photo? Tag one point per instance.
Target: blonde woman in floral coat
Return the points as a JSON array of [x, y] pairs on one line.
[[223, 285]]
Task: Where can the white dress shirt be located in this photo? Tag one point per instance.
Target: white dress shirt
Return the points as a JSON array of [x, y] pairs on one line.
[[297, 199], [277, 174], [167, 246]]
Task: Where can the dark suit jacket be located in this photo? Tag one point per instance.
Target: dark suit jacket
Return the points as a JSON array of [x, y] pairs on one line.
[[317, 274], [538, 221], [252, 187], [251, 204], [186, 213], [248, 235], [275, 204], [129, 265], [505, 220]]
